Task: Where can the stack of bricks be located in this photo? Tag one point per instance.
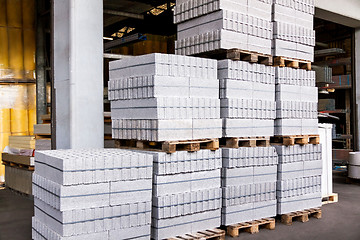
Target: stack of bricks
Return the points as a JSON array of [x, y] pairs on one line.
[[294, 36], [247, 93], [205, 26], [300, 167], [249, 184], [299, 178], [92, 194], [186, 193], [296, 102], [160, 97]]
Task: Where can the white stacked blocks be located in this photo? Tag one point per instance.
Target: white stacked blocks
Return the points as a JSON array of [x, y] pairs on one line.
[[294, 35], [249, 184], [205, 26], [296, 102], [92, 194], [299, 178], [186, 193], [247, 93], [159, 97]]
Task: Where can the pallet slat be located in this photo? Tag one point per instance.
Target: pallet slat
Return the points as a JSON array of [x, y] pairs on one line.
[[17, 165], [245, 142], [293, 63], [332, 198], [302, 216], [237, 55], [296, 139], [210, 234], [250, 227], [170, 146]]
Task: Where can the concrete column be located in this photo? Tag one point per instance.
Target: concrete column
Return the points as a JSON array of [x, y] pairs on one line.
[[78, 73], [357, 85]]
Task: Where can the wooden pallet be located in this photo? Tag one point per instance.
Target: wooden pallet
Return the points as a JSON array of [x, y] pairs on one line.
[[46, 118], [108, 137], [332, 198], [17, 159], [291, 62], [296, 139], [45, 137], [237, 55], [250, 227], [18, 165], [170, 146], [213, 234], [245, 142], [302, 216]]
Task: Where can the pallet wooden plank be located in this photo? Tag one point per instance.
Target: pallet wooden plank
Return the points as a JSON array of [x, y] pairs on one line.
[[246, 142], [237, 55], [250, 227], [211, 234], [296, 139], [293, 63], [302, 216], [170, 146], [332, 198]]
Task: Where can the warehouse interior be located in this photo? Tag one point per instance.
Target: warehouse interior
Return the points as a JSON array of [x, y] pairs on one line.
[[55, 59]]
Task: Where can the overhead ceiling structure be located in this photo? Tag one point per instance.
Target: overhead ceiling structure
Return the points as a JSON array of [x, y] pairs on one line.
[[125, 17], [344, 12]]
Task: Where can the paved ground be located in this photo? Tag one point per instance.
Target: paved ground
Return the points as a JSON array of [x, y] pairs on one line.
[[15, 216], [341, 221]]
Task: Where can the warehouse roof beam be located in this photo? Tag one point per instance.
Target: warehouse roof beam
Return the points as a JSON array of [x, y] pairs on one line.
[[124, 14]]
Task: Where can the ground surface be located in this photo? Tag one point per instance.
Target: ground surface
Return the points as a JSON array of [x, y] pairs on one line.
[[341, 221]]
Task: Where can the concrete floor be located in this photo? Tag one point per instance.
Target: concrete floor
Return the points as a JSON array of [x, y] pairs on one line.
[[340, 221]]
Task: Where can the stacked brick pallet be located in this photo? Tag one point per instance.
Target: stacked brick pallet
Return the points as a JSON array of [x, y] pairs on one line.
[[92, 194], [159, 97], [249, 184], [294, 36], [300, 166], [186, 193], [296, 102], [299, 178], [205, 26], [162, 99], [247, 93]]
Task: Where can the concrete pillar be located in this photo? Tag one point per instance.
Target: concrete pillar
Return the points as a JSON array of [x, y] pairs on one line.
[[357, 86], [78, 73]]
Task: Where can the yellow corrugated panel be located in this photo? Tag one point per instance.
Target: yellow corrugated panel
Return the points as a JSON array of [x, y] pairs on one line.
[[16, 57], [32, 120], [5, 120], [19, 122], [4, 141], [32, 107], [14, 13], [28, 7], [29, 53], [19, 112], [2, 13], [4, 52]]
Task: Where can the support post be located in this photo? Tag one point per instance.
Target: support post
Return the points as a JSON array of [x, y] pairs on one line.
[[78, 73]]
